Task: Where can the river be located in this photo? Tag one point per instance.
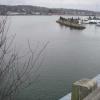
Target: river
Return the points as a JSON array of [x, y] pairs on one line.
[[70, 55]]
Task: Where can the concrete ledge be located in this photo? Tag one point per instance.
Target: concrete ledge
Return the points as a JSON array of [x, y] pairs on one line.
[[68, 96], [82, 88], [95, 95]]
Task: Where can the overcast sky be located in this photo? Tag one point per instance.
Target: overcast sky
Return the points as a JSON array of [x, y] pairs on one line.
[[76, 4]]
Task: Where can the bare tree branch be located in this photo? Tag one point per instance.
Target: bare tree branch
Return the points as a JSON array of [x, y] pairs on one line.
[[15, 74]]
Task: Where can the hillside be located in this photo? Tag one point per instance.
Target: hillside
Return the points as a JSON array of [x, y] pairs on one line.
[[36, 10]]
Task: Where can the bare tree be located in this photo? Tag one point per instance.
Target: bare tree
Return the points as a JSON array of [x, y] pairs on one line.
[[15, 74]]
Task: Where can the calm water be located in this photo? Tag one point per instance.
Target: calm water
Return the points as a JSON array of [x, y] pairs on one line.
[[70, 55]]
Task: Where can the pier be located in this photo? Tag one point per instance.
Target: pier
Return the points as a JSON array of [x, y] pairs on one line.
[[70, 22]]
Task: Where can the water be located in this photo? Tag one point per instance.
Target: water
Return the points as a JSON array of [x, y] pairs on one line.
[[70, 55]]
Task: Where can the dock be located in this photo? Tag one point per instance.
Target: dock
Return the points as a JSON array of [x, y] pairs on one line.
[[72, 23], [95, 94]]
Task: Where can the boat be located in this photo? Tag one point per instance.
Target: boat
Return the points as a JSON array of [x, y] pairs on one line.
[[85, 21], [98, 24], [70, 22], [91, 20]]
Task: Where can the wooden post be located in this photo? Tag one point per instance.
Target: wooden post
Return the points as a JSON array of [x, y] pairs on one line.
[[82, 88]]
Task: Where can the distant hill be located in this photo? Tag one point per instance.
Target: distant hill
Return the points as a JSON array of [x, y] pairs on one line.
[[36, 10]]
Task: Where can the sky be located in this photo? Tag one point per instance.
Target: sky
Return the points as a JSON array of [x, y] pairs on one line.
[[75, 4]]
